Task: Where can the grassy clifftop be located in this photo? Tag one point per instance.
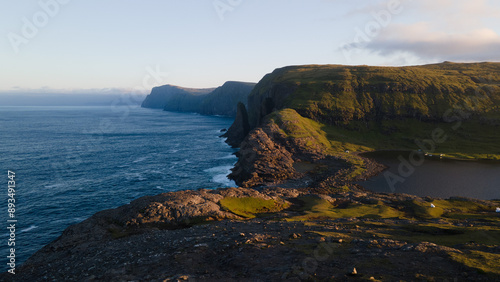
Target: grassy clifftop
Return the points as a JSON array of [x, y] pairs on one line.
[[370, 108], [336, 93]]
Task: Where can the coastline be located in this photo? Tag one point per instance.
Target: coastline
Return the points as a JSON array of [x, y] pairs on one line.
[[298, 213], [198, 235], [246, 229]]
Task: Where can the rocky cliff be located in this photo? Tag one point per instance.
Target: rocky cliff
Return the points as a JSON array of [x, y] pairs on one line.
[[240, 127], [336, 109], [211, 101], [224, 99], [275, 234], [338, 94], [311, 222]]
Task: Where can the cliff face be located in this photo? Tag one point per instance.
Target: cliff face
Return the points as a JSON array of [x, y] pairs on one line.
[[291, 150], [211, 101], [240, 127], [224, 99], [175, 98], [340, 94], [302, 129], [362, 108]]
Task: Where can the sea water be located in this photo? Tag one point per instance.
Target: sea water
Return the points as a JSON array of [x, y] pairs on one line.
[[71, 162]]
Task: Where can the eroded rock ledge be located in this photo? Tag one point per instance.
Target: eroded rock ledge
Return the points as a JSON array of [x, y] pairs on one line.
[[287, 151], [200, 236]]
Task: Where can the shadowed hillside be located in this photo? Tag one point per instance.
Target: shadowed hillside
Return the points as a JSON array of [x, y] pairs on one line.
[[211, 101]]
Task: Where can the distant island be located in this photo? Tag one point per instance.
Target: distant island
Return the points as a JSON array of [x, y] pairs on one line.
[[298, 213]]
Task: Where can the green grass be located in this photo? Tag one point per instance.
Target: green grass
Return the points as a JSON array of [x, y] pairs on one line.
[[317, 208], [363, 108], [423, 210], [446, 235], [451, 209], [304, 132], [482, 261], [471, 141], [346, 93], [250, 207]]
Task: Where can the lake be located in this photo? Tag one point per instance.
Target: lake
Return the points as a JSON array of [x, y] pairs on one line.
[[441, 178]]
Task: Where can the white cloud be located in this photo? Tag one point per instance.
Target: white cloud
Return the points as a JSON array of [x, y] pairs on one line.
[[456, 15], [424, 42]]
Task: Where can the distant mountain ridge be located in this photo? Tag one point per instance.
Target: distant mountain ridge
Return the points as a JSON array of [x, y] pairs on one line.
[[222, 100]]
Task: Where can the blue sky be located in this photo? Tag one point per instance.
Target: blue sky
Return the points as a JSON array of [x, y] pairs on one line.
[[120, 44]]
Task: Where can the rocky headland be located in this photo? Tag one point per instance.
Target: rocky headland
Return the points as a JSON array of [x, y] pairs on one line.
[[222, 100], [298, 215]]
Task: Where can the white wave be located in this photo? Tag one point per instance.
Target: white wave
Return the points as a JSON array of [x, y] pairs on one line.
[[134, 176], [222, 179], [141, 159], [28, 229], [220, 174], [78, 219], [229, 157], [219, 169], [54, 185]]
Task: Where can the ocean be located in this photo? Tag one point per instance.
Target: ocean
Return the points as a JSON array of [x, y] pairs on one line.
[[71, 162]]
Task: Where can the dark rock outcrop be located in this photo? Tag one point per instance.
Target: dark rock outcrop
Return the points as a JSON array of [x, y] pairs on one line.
[[268, 154], [161, 238], [239, 129], [68, 258], [262, 160]]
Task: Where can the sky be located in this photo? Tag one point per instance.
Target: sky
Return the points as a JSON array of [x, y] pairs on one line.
[[120, 45]]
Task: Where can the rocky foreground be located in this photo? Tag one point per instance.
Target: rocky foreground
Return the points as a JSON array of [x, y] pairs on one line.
[[274, 234]]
